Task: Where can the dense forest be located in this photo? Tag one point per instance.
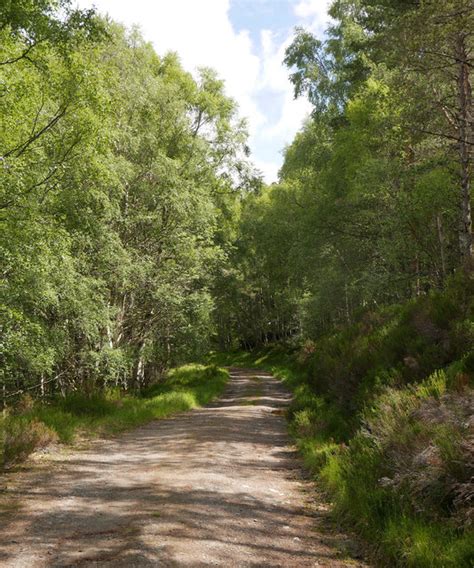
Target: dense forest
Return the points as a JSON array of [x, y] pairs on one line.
[[374, 201], [134, 230], [120, 173], [136, 234]]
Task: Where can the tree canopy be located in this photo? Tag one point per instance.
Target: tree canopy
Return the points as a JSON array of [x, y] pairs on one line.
[[374, 200], [120, 172], [135, 231]]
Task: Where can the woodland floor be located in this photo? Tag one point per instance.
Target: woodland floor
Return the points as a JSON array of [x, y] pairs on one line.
[[218, 486]]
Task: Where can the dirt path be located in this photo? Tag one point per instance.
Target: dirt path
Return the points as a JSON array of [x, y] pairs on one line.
[[219, 486]]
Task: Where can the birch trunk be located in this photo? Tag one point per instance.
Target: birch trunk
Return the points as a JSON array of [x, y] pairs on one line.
[[465, 143]]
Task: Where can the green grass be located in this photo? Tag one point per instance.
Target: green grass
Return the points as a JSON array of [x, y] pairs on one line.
[[63, 420], [275, 359], [349, 466]]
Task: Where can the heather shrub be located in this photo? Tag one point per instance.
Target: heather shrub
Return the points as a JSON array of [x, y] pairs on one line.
[[22, 436]]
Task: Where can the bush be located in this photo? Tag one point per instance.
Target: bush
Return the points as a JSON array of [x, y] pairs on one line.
[[21, 436]]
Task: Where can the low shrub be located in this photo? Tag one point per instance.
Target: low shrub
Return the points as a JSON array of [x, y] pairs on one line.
[[21, 436]]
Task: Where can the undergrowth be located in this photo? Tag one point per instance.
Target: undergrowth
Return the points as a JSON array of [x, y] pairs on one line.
[[33, 425], [382, 413]]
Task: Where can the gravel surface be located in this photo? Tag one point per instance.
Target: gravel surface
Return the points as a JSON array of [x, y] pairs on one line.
[[218, 486]]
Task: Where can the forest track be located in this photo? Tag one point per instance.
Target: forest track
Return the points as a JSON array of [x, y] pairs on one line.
[[218, 486]]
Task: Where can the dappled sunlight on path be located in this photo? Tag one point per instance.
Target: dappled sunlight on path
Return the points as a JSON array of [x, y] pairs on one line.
[[215, 486]]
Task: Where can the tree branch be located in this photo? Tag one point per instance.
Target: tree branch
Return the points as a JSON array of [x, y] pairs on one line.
[[22, 55], [21, 148]]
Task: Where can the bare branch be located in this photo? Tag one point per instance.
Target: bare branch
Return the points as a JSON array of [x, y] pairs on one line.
[[443, 135]]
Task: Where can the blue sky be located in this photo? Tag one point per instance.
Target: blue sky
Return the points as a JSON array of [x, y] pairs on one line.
[[244, 41]]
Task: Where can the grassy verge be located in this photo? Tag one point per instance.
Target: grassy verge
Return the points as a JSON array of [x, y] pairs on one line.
[[36, 424], [393, 477], [382, 414]]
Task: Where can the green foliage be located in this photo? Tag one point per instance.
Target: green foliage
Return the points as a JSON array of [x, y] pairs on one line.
[[117, 168], [373, 202]]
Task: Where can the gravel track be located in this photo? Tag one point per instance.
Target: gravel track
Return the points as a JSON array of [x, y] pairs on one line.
[[218, 486]]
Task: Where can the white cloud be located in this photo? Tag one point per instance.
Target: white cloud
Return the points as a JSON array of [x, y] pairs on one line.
[[310, 8], [202, 34], [275, 78], [274, 74], [291, 118], [269, 169], [314, 13]]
